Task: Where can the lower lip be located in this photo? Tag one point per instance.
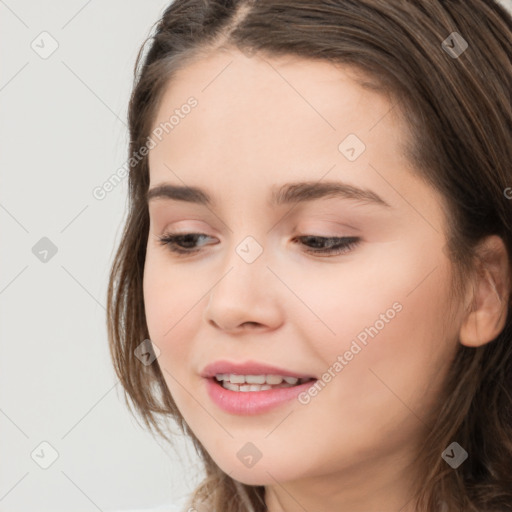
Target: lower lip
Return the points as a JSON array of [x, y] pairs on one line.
[[252, 402]]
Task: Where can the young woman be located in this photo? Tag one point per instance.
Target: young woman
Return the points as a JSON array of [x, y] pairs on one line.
[[315, 274]]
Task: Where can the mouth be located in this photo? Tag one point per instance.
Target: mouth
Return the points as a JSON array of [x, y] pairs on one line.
[[263, 382], [252, 394], [253, 387]]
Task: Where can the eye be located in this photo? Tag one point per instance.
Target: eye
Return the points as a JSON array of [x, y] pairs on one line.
[[184, 243], [176, 241], [331, 246]]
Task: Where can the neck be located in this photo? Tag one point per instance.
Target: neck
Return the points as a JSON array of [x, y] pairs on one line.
[[374, 486]]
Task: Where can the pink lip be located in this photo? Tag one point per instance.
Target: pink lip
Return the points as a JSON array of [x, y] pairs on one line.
[[252, 402], [249, 368]]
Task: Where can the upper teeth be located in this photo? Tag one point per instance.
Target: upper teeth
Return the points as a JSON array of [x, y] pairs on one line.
[[255, 379]]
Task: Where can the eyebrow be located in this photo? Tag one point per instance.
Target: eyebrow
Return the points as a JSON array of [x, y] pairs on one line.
[[289, 193]]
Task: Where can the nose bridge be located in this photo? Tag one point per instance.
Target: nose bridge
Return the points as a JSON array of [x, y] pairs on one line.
[[250, 250], [243, 295], [245, 266]]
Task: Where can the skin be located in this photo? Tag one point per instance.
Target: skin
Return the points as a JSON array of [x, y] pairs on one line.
[[261, 123]]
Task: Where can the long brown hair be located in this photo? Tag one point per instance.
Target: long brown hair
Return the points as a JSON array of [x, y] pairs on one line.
[[458, 110]]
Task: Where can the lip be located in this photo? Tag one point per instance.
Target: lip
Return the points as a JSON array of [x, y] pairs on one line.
[[250, 403], [249, 368]]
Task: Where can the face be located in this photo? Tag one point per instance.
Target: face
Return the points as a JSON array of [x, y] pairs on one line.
[[258, 284]]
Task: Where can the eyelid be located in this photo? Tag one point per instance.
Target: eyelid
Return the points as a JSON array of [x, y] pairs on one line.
[[338, 230], [187, 226]]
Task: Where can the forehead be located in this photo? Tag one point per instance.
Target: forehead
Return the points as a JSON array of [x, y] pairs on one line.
[[269, 119]]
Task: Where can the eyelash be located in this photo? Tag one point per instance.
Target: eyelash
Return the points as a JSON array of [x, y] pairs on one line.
[[345, 244]]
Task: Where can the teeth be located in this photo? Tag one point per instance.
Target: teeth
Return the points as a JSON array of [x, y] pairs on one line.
[[255, 379], [232, 387], [272, 380], [235, 382], [254, 387]]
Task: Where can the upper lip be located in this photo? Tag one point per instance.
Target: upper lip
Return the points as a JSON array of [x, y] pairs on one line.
[[249, 368]]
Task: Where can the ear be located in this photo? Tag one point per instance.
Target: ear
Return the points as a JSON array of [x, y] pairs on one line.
[[490, 295]]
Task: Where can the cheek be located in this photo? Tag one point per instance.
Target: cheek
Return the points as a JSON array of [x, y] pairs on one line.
[[390, 318], [406, 353], [398, 356], [170, 318], [170, 305]]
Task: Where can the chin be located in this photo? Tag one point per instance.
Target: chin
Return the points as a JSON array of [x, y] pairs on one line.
[[259, 474]]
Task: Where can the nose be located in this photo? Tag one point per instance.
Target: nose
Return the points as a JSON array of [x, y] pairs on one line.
[[246, 296]]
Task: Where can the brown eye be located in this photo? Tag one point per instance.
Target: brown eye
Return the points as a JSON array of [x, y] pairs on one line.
[[329, 245], [182, 243]]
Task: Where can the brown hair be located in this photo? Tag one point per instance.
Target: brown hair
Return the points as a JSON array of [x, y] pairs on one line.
[[459, 114]]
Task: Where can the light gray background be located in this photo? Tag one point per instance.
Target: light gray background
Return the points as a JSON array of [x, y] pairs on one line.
[[62, 128], [63, 133]]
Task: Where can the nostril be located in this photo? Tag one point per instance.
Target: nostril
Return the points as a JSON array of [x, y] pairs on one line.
[[251, 323]]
